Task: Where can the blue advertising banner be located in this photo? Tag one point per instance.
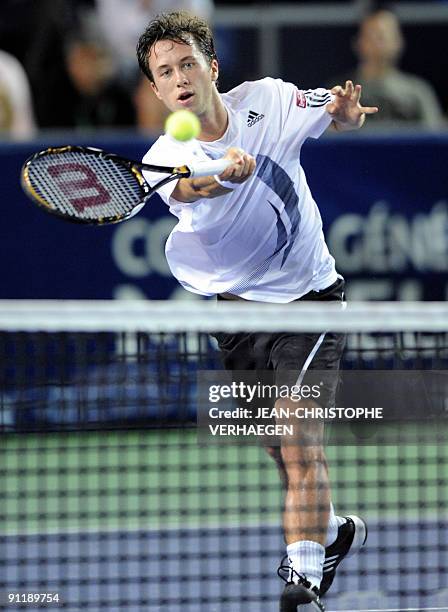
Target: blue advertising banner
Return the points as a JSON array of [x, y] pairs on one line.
[[384, 203]]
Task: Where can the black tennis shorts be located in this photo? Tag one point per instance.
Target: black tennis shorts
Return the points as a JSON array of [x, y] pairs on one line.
[[287, 358]]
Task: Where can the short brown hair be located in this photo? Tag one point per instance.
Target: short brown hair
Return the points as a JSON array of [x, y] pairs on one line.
[[179, 27]]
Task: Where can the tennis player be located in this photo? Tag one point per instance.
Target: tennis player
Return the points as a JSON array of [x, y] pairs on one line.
[[255, 233]]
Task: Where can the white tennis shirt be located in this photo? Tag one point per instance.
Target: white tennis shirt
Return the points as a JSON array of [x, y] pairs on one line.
[[264, 240]]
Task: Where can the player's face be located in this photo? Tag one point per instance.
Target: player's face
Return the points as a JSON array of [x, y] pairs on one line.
[[183, 78]]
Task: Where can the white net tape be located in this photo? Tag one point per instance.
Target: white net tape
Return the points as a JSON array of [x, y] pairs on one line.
[[205, 315]]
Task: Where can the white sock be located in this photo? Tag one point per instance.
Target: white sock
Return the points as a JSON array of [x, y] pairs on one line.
[[333, 525], [307, 558]]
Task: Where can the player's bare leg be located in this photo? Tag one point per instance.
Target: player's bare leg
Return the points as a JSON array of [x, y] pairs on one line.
[[307, 505], [307, 500], [308, 512], [275, 453]]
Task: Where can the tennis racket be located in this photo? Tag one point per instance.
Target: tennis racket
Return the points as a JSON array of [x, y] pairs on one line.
[[88, 185]]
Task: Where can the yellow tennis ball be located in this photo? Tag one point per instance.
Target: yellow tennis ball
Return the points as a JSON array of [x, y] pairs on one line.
[[183, 125]]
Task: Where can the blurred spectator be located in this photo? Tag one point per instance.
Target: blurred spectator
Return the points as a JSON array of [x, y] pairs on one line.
[[122, 22], [96, 98], [74, 78], [150, 111], [402, 98], [16, 111]]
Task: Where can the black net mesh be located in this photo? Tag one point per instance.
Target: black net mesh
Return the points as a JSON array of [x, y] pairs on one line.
[[110, 502]]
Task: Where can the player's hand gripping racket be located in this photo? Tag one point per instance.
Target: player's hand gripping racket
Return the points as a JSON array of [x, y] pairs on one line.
[[87, 185]]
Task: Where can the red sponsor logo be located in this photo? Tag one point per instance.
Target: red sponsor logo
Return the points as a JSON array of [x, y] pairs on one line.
[[300, 99], [80, 184]]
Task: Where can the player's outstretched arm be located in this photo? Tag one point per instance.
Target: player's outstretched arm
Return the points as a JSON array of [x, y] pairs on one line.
[[346, 109], [241, 168]]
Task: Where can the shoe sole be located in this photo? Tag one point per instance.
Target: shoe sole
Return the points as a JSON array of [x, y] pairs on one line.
[[360, 537], [306, 607], [289, 603]]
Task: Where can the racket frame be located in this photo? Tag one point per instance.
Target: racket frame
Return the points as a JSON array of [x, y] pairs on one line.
[[135, 167]]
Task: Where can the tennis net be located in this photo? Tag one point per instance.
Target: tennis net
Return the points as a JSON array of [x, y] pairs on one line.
[[114, 499]]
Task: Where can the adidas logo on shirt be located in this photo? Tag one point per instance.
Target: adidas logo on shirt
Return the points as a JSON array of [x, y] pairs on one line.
[[254, 118]]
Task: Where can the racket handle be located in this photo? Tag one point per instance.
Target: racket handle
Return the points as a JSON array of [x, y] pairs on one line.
[[208, 168]]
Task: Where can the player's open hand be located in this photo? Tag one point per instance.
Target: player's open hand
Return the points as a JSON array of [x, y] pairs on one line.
[[346, 109], [242, 166]]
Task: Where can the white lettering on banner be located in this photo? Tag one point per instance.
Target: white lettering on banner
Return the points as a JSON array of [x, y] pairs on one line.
[[408, 290], [385, 241], [381, 242], [150, 256], [128, 292]]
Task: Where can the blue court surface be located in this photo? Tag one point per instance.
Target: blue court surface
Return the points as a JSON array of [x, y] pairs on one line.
[[221, 570]]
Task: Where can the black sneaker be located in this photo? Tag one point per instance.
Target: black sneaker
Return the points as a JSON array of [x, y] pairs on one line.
[[352, 536], [299, 594]]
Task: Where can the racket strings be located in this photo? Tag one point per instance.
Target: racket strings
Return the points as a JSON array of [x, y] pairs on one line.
[[84, 186]]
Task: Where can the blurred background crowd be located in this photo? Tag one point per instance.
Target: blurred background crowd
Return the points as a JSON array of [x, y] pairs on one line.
[[71, 63]]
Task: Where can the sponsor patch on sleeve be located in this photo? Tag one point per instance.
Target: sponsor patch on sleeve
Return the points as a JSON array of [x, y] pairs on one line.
[[300, 99]]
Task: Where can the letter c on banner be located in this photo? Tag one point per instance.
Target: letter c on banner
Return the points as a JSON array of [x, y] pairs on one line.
[[150, 257]]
